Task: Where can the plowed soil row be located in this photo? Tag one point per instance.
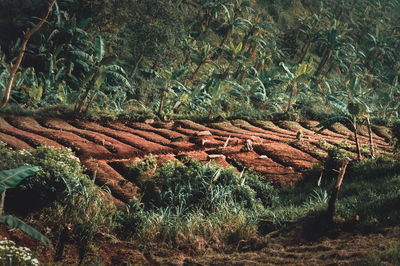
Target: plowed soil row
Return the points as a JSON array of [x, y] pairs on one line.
[[280, 151]]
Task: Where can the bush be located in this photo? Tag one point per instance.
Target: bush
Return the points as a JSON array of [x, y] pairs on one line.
[[75, 201], [333, 161], [190, 200], [10, 254], [374, 168], [205, 186], [396, 133], [57, 167], [85, 213]]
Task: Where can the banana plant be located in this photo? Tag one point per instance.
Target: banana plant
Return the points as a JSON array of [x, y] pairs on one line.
[[214, 96], [234, 55], [310, 30], [331, 39], [295, 77], [210, 11], [101, 69], [231, 21], [168, 79], [350, 113], [202, 56], [10, 179]]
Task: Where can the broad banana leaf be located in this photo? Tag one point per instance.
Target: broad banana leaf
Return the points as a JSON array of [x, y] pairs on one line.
[[17, 223], [330, 121], [11, 178]]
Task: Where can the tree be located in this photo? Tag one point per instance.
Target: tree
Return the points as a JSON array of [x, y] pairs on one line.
[[295, 77], [14, 68], [99, 67]]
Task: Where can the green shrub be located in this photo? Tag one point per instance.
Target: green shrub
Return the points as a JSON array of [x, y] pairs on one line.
[[396, 133], [334, 161], [389, 256], [135, 172], [374, 168], [10, 254], [392, 254], [86, 213], [57, 167], [205, 186], [192, 200]]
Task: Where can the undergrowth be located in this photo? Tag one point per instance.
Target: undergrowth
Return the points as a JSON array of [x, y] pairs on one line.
[[370, 190], [187, 201], [60, 194], [196, 207]]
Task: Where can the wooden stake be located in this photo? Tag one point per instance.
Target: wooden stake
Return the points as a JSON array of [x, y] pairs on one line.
[[3, 197], [335, 191], [371, 141]]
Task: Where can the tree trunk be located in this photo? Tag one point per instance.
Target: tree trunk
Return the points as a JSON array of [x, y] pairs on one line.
[[205, 22], [197, 70], [335, 191], [304, 52], [222, 44], [356, 140], [61, 243], [291, 87], [210, 113], [90, 102], [164, 95], [324, 59], [78, 110], [371, 140]]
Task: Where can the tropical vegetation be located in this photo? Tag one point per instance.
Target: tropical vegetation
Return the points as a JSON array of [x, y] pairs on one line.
[[330, 61]]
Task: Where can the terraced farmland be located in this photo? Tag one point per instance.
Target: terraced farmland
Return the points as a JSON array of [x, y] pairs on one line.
[[280, 151]]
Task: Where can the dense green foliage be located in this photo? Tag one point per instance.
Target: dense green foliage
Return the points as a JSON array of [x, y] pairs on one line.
[[58, 167], [324, 60], [195, 200], [185, 57], [71, 198], [10, 254]]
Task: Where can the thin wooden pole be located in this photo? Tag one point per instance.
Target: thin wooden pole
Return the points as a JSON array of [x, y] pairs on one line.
[[335, 191], [371, 140]]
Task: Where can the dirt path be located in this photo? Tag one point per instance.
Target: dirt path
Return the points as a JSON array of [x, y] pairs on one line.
[[280, 151]]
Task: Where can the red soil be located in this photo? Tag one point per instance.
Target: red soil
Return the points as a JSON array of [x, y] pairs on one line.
[[83, 147], [111, 144], [32, 139], [134, 140], [169, 134], [120, 188], [276, 172], [14, 143], [151, 136], [286, 155]]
